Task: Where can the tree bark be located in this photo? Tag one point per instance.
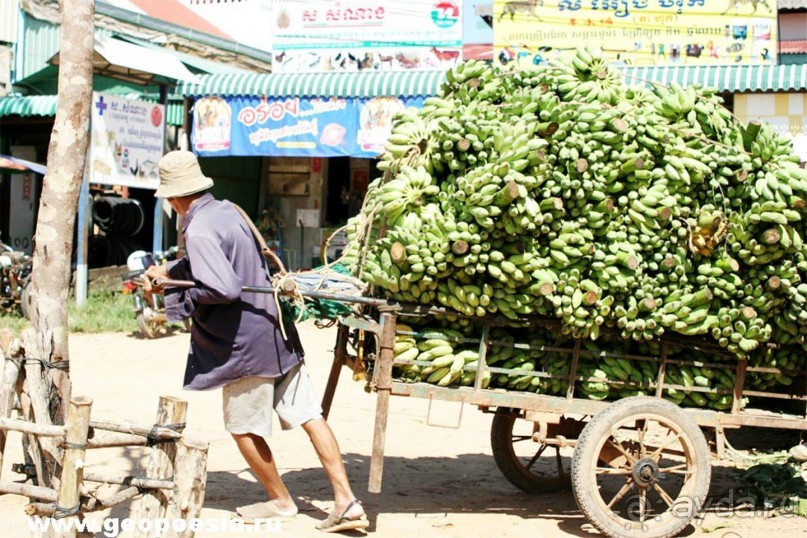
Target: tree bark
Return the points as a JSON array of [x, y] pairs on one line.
[[50, 280]]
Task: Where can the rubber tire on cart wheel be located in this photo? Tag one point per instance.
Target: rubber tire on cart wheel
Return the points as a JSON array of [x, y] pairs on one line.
[[145, 328], [501, 441], [693, 491]]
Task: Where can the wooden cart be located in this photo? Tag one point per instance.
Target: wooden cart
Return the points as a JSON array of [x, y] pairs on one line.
[[641, 466]]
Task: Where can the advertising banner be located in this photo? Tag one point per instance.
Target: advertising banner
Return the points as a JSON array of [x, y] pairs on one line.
[[637, 32], [322, 35], [294, 126], [127, 138]]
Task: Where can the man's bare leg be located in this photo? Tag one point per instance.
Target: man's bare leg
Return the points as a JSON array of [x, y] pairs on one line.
[[328, 451], [259, 458]]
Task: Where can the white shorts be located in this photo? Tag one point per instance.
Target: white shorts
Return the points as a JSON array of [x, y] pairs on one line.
[[248, 402]]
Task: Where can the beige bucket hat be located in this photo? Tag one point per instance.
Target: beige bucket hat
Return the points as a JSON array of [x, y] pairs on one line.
[[180, 175]]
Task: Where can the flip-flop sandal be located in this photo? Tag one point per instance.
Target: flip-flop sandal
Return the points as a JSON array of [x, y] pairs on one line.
[[263, 510], [341, 523]]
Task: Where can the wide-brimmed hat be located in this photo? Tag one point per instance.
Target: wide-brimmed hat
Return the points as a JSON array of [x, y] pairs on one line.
[[180, 175]]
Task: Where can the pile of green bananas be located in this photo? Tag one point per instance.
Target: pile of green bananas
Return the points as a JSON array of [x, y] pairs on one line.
[[563, 192], [520, 360]]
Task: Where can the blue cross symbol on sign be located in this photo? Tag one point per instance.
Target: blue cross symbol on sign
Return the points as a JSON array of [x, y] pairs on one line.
[[101, 106]]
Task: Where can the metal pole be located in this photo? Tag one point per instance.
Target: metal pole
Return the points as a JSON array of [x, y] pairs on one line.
[[157, 243], [302, 245], [157, 240], [84, 217]]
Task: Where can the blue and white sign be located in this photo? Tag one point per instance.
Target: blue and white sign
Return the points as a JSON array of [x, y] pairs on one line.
[[301, 127]]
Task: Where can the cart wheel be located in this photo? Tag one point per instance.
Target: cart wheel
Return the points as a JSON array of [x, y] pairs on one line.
[[520, 459], [641, 469], [143, 322]]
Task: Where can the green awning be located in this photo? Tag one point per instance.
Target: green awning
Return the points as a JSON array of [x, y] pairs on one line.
[[353, 84], [29, 105], [728, 78], [45, 105]]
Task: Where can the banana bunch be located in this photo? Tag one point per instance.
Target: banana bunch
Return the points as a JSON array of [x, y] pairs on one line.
[[789, 361], [409, 133], [521, 363], [431, 356], [447, 356], [469, 80], [785, 183], [677, 103], [765, 233], [616, 264], [636, 318], [588, 78], [719, 383], [713, 119], [560, 192], [688, 312], [580, 304], [411, 189], [650, 209]]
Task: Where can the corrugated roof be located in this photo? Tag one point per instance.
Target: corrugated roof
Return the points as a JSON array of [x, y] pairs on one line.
[[29, 105], [793, 46], [791, 4], [356, 84], [121, 59], [45, 105], [730, 78]]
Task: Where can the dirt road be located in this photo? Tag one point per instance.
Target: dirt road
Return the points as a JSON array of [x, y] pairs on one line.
[[438, 481]]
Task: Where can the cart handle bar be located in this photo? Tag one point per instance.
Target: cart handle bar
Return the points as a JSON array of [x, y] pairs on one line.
[[371, 301]]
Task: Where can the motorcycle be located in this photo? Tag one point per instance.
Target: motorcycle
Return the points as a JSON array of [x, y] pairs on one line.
[[15, 279], [149, 306]]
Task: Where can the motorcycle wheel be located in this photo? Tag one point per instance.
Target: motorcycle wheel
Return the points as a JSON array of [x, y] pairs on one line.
[[25, 300], [145, 327]]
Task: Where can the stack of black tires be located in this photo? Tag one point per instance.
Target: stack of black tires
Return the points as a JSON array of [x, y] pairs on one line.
[[120, 220]]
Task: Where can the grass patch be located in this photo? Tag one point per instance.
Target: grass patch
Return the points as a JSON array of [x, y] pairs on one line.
[[104, 312], [13, 321]]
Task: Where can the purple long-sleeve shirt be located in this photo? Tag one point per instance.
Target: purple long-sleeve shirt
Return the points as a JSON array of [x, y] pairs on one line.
[[235, 334]]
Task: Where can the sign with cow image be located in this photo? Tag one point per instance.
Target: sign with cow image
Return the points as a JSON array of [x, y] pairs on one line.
[[637, 32], [358, 35]]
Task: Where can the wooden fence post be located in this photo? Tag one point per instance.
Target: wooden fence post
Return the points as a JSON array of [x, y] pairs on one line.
[[190, 477], [153, 504], [8, 389], [68, 502]]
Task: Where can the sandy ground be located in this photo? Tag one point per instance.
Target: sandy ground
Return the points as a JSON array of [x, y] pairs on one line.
[[438, 481]]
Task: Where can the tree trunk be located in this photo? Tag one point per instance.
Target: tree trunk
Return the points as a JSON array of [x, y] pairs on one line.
[[50, 280]]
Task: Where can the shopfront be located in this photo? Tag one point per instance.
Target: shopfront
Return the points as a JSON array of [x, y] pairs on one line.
[[310, 140]]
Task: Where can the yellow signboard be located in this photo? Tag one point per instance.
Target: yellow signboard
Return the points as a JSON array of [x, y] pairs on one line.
[[637, 32]]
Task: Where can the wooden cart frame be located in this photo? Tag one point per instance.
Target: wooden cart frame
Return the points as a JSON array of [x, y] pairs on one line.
[[548, 412], [594, 442]]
